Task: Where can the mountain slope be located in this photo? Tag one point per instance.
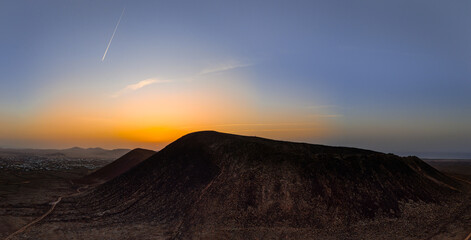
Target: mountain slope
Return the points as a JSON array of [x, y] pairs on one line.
[[117, 167], [207, 182]]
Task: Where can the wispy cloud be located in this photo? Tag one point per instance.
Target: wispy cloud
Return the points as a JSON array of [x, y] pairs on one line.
[[320, 106], [136, 86], [279, 130], [327, 115], [260, 124], [214, 69], [270, 127], [223, 67]]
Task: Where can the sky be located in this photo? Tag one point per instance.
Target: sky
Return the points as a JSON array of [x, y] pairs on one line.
[[392, 76]]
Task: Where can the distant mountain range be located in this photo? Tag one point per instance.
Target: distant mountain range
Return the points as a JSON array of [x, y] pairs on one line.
[[75, 152], [440, 155]]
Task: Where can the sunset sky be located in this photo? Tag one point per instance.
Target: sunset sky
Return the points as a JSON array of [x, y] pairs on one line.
[[392, 76]]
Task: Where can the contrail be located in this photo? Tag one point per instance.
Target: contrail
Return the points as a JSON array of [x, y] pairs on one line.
[[112, 36]]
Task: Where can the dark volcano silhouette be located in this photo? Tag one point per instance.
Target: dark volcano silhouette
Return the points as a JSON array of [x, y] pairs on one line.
[[117, 167], [207, 181]]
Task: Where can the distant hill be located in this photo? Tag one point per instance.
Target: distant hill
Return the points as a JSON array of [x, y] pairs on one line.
[[452, 166], [117, 167], [210, 182], [438, 155], [75, 152], [94, 152]]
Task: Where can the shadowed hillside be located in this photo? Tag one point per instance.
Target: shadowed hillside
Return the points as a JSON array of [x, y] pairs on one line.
[[210, 182], [117, 167]]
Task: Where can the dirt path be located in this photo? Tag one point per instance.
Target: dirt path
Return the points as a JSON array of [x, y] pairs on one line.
[[78, 191], [36, 220], [203, 191], [461, 179]]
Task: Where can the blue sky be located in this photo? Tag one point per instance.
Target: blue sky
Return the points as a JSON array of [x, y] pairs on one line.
[[388, 75]]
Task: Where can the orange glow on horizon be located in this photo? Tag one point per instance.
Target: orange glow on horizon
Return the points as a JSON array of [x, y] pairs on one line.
[[152, 118]]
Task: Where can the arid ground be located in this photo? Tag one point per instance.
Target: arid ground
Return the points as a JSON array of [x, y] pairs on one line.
[[29, 193]]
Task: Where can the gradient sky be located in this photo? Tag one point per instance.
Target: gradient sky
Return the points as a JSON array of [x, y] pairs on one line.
[[392, 76]]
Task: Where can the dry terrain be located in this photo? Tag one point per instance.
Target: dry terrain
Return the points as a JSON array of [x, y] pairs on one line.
[[217, 186], [31, 179]]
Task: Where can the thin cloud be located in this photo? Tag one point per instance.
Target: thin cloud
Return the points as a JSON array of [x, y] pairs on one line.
[[139, 85], [320, 106], [279, 130], [261, 124], [224, 67], [327, 115]]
